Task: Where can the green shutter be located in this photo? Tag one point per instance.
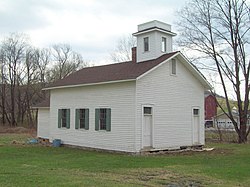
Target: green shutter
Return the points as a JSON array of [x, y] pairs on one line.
[[97, 118], [68, 119], [108, 120], [59, 118], [87, 119], [77, 115]]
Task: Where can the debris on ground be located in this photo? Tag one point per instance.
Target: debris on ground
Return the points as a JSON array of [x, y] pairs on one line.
[[16, 142], [186, 150], [32, 141], [44, 141]]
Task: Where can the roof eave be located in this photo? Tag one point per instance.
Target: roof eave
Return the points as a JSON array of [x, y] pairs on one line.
[[47, 107], [88, 84], [154, 29]]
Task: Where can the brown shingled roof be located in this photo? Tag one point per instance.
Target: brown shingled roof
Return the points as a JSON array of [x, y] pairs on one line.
[[112, 72]]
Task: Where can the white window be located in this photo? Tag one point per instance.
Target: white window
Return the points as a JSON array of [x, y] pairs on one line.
[[173, 67], [64, 118], [103, 119], [82, 118], [146, 44], [164, 44], [196, 112], [147, 110]]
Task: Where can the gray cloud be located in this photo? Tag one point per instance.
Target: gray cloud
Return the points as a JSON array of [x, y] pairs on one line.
[[23, 15], [90, 27]]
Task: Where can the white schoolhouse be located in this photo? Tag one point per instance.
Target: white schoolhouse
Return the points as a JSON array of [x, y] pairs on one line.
[[155, 101]]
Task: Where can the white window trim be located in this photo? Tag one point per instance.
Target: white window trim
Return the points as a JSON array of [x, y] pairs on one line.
[[82, 129], [144, 45], [196, 108], [64, 128], [148, 114], [103, 131], [165, 44], [171, 67], [100, 120]]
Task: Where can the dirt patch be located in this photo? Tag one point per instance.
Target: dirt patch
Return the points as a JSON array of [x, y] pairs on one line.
[[155, 177]]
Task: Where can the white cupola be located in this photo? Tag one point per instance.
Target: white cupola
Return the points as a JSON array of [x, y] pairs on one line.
[[154, 39]]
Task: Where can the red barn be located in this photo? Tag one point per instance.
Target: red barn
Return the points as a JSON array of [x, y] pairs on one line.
[[210, 109]]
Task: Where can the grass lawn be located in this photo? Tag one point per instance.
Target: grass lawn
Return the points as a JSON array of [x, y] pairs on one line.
[[37, 165]]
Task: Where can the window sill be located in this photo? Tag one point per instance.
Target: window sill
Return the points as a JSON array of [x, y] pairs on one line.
[[102, 131], [82, 129], [174, 75], [147, 114], [63, 128]]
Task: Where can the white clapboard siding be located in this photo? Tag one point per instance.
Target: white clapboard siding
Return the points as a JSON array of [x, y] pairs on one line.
[[43, 123], [120, 97], [172, 98]]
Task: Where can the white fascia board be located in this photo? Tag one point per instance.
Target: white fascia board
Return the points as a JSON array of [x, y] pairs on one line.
[[163, 62], [90, 84], [40, 107], [154, 29]]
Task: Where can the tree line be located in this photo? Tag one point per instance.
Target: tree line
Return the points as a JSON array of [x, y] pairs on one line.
[[25, 70]]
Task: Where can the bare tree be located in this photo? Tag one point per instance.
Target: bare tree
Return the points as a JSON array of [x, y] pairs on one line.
[[122, 51], [66, 62], [32, 80], [219, 30], [3, 85], [13, 51], [43, 59], [25, 70]]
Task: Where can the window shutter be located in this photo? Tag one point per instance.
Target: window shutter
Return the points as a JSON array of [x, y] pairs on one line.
[[97, 118], [77, 119], [59, 118], [108, 120], [68, 119], [87, 119]]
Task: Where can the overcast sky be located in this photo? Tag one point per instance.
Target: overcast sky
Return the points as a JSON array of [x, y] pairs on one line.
[[91, 27]]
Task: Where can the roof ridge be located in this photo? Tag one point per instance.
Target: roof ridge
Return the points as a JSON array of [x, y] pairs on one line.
[[110, 64], [130, 61]]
